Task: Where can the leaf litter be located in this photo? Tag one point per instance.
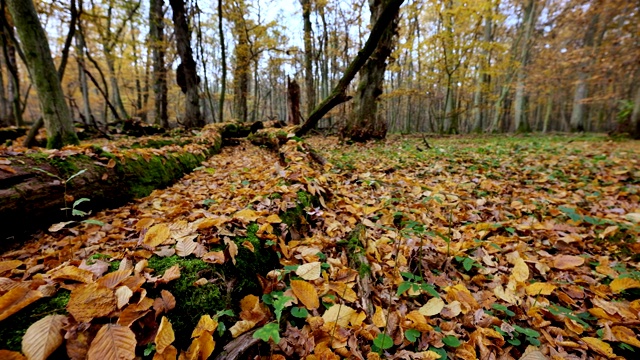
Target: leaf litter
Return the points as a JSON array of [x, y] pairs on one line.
[[477, 248]]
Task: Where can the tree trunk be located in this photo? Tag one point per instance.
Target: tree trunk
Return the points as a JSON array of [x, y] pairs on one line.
[[338, 95], [520, 122], [293, 99], [223, 55], [366, 123], [84, 85], [193, 116], [13, 85], [241, 69], [308, 56], [635, 116], [483, 78], [157, 42], [57, 119]]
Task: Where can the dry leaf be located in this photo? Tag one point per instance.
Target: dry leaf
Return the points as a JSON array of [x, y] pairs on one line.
[[156, 235], [214, 257], [206, 345], [306, 293], [90, 301], [9, 265], [11, 355], [621, 284], [540, 289], [379, 318], [241, 327], [520, 271], [113, 342], [565, 262], [246, 215], [310, 271], [166, 302], [625, 335], [205, 324], [433, 307], [338, 313], [113, 279], [16, 299], [170, 353], [43, 337], [170, 274], [165, 335], [233, 249], [185, 247], [599, 346], [123, 294]]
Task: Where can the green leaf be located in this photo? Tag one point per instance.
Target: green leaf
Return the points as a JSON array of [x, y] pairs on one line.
[[503, 308], [404, 286], [299, 312], [76, 212], [526, 331], [451, 340], [533, 341], [412, 335], [80, 201], [208, 202], [430, 290], [440, 351], [468, 263], [149, 349], [383, 341], [76, 174], [93, 222], [221, 328], [514, 342], [408, 275], [269, 331]]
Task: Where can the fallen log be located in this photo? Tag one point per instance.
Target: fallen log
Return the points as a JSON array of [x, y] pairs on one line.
[[39, 188]]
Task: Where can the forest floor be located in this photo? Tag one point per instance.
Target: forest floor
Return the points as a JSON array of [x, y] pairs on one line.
[[471, 247]]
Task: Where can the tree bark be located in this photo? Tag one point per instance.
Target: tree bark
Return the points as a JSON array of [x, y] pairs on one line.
[[223, 55], [338, 95], [57, 119], [365, 122], [635, 117], [157, 42], [308, 56], [241, 68], [520, 122], [293, 99], [193, 117]]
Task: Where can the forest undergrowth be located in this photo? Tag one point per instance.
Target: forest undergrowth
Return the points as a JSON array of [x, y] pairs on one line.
[[412, 248]]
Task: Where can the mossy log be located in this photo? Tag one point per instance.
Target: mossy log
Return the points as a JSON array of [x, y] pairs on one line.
[[35, 186]]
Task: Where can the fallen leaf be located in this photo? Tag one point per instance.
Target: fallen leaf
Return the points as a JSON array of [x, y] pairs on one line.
[[43, 337], [9, 265], [166, 302], [306, 293], [565, 262], [599, 346], [170, 274], [91, 301], [123, 294], [156, 235], [540, 288], [113, 342], [621, 284], [165, 335], [185, 247], [205, 324], [59, 226], [309, 271], [520, 271], [433, 307], [625, 335], [214, 257], [246, 215], [170, 353], [241, 327], [16, 299], [113, 279], [339, 314]]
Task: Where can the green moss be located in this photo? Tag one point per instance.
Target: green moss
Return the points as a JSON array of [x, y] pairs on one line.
[[64, 138], [158, 143], [14, 327]]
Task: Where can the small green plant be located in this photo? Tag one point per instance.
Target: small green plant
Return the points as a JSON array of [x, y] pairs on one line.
[[272, 330], [416, 284], [515, 336], [468, 263]]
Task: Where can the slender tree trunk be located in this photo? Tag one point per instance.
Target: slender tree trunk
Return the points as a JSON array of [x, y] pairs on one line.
[[308, 56], [116, 99], [84, 86], [193, 116], [5, 104], [241, 70], [293, 99], [57, 119], [366, 123], [157, 42], [483, 78], [13, 86], [520, 122], [223, 55], [635, 116]]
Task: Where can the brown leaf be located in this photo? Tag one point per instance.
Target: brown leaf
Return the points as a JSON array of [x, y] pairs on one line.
[[306, 293], [73, 273], [165, 335], [90, 301], [16, 299], [164, 303], [113, 342], [565, 262], [233, 249], [9, 265], [185, 247], [43, 337], [170, 274], [246, 215], [170, 353], [214, 257], [113, 279], [11, 355], [123, 294]]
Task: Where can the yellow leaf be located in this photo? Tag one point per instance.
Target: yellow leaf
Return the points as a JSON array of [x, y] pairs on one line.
[[599, 346], [113, 342], [379, 318], [273, 219], [170, 353], [206, 323], [339, 314], [344, 291], [565, 262], [43, 337], [520, 271], [306, 293], [90, 301], [207, 344], [433, 307], [540, 288], [622, 284], [246, 215], [156, 235], [241, 327], [165, 335], [16, 299], [625, 335], [310, 271]]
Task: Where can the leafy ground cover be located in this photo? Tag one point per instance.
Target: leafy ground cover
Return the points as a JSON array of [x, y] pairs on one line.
[[482, 247]]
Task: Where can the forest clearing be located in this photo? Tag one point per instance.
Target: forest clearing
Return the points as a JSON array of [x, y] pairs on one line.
[[319, 179]]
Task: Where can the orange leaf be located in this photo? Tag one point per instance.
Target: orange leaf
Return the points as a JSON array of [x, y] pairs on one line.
[[113, 342], [207, 344], [73, 273], [9, 265], [170, 274], [246, 215], [16, 299], [170, 353], [164, 303], [90, 301], [306, 293], [11, 355], [165, 335], [156, 235], [622, 284], [113, 279], [43, 337], [599, 346], [233, 249], [565, 262]]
